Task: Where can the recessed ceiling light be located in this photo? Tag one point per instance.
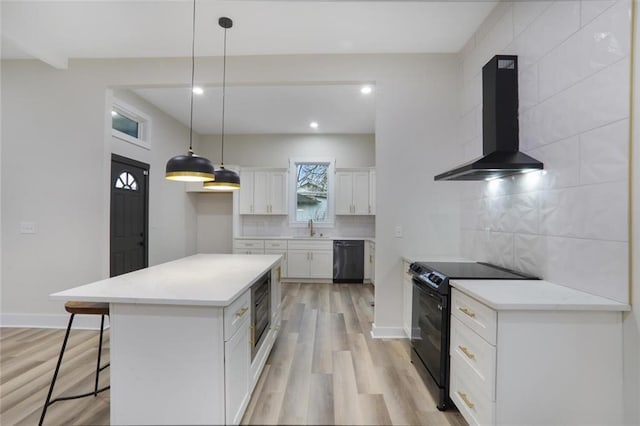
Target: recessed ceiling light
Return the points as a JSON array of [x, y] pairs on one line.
[[198, 90], [313, 124], [365, 90]]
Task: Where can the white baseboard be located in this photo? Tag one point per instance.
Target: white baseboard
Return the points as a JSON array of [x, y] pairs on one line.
[[80, 322], [387, 332]]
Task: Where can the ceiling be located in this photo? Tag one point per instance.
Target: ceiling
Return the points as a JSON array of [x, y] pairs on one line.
[[54, 32]]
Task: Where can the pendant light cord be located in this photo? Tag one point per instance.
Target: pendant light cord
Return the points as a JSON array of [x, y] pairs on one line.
[[193, 67], [224, 80]]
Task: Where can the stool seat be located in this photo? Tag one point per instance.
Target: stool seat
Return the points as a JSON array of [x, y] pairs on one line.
[[87, 308], [78, 308]]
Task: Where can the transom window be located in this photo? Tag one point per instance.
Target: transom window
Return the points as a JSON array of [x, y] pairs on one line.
[[312, 191], [126, 181], [130, 124]]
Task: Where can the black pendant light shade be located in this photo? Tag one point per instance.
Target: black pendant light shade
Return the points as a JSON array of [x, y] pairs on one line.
[[190, 167], [226, 180]]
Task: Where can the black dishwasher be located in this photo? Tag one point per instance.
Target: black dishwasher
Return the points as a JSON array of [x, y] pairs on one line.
[[348, 261]]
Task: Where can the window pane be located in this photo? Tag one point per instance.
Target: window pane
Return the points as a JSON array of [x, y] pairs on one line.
[[311, 192], [126, 181], [124, 124]]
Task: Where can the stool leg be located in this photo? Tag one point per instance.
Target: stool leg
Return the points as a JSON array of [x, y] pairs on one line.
[[55, 374], [95, 391]]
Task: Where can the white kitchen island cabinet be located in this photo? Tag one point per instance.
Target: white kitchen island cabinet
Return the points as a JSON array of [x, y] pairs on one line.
[[180, 340], [534, 353]]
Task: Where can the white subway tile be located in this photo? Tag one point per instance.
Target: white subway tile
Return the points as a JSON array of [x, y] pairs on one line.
[[604, 153], [593, 266], [603, 42], [592, 8], [525, 12], [551, 28], [561, 163]]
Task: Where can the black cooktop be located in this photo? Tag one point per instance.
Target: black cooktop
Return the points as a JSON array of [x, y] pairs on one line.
[[473, 270]]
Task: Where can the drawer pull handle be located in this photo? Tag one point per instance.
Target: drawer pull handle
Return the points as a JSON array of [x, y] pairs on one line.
[[468, 353], [241, 312], [466, 400], [468, 312]]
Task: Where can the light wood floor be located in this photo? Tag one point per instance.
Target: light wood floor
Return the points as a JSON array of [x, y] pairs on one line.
[[324, 369]]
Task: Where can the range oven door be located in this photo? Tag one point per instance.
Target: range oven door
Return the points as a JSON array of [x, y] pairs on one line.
[[429, 336]]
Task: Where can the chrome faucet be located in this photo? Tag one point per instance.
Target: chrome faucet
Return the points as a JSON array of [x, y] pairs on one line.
[[310, 226]]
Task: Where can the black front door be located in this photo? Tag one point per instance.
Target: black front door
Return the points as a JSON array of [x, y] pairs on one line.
[[129, 215]]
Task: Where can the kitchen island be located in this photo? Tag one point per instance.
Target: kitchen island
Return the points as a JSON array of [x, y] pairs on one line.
[[181, 336]]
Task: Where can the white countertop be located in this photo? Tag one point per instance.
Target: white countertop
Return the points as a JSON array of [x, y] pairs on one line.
[[202, 279], [534, 295]]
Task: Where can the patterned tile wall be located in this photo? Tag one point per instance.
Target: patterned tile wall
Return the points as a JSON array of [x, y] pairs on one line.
[[568, 224]]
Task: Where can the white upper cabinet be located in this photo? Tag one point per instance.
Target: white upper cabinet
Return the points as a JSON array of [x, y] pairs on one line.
[[353, 193], [263, 192]]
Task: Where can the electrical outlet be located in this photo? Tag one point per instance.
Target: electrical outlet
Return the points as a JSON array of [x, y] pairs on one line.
[[27, 227], [398, 232]]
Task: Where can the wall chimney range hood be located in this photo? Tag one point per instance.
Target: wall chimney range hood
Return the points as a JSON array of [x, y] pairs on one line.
[[500, 154]]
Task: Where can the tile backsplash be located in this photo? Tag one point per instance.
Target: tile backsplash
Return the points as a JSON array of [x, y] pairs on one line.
[[569, 223], [278, 226]]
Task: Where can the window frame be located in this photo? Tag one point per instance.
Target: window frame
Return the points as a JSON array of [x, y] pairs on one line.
[[293, 185], [132, 113]]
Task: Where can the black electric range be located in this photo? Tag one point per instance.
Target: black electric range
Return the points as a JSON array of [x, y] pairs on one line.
[[430, 316]]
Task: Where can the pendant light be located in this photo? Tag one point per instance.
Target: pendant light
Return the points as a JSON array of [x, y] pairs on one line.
[[226, 180], [190, 167]]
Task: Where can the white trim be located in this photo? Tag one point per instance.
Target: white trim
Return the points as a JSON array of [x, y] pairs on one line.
[[144, 124], [387, 332], [80, 322], [331, 171]]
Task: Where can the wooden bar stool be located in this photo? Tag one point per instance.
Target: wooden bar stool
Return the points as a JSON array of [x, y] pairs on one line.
[[79, 308]]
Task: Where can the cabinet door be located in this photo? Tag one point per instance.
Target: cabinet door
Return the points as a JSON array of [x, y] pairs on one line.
[[321, 265], [344, 192], [372, 253], [278, 193], [276, 297], [298, 264], [237, 362], [246, 193], [367, 260], [361, 193], [260, 192], [283, 262], [372, 191]]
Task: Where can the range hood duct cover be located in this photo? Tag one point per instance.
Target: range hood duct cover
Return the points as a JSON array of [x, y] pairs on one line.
[[500, 145]]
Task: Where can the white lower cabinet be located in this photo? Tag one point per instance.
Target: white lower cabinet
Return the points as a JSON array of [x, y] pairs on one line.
[[237, 363], [534, 367], [248, 246], [310, 259]]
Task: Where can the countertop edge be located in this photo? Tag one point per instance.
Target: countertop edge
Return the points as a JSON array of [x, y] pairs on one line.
[[607, 305], [164, 301]]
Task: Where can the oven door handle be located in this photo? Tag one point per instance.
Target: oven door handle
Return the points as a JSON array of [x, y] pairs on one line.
[[421, 288]]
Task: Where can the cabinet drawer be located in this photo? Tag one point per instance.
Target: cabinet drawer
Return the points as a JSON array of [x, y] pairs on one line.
[[275, 244], [466, 392], [479, 355], [310, 245], [248, 244], [236, 313], [477, 316]]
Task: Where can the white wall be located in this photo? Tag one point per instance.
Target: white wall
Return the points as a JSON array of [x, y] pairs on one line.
[[569, 226], [56, 172], [275, 150], [574, 112], [415, 119], [214, 222]]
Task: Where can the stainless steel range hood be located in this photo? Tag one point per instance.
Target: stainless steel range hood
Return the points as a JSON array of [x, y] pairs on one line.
[[500, 145]]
